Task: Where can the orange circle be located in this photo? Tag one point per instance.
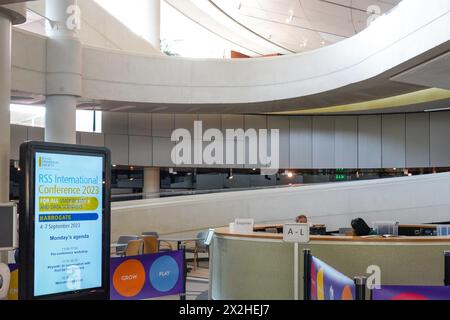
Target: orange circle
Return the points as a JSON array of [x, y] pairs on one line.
[[347, 293], [129, 278]]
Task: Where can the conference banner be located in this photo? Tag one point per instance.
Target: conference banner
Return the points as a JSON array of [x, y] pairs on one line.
[[13, 292], [411, 293], [329, 284], [147, 276]]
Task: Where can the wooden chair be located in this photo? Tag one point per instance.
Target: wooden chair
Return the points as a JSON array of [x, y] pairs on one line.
[[134, 248], [151, 244], [163, 245], [120, 250], [200, 247]]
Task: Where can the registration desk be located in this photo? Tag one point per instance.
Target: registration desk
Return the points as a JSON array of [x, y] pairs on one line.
[[260, 265]]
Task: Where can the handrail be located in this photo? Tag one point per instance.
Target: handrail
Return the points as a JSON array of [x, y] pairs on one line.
[[178, 193]]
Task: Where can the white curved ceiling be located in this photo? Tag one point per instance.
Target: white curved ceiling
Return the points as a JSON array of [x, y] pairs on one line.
[[283, 26], [359, 69]]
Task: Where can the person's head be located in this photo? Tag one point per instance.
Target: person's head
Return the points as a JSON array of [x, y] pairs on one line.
[[301, 219]]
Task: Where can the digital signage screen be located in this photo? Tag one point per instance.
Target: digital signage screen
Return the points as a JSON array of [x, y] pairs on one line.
[[68, 234], [68, 223]]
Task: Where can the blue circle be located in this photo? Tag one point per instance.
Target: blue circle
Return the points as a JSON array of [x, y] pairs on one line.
[[164, 274]]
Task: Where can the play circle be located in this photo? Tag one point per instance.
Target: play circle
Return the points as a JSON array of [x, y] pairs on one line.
[[129, 278], [164, 274]]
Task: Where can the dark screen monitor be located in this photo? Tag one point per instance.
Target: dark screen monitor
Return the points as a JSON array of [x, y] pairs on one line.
[[64, 222], [8, 226]]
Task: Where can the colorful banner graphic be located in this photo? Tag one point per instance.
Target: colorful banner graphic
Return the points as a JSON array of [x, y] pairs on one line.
[[329, 284], [411, 293], [147, 276], [13, 293]]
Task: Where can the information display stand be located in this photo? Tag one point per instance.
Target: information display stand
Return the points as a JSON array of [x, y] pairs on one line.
[[64, 226]]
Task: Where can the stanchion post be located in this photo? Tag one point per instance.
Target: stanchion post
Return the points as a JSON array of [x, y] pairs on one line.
[[307, 274], [447, 268], [360, 288], [183, 248]]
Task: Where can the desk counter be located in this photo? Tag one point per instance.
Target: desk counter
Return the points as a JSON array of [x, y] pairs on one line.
[[259, 265]]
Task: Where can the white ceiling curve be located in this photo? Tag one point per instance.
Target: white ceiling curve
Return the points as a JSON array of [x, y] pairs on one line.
[[284, 26]]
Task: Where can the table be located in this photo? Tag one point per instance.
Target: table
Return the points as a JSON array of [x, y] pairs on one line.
[[178, 240], [116, 245]]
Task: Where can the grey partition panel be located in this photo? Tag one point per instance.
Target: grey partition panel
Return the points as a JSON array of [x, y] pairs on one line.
[[323, 142], [139, 124], [118, 144], [115, 122], [369, 142], [232, 121], [163, 125], [141, 151], [210, 121], [239, 181], [262, 181], [256, 122], [92, 139], [346, 142], [209, 181], [190, 159], [186, 121], [282, 124], [418, 140], [300, 142], [393, 141], [440, 139], [36, 134], [235, 146], [162, 152], [8, 221], [18, 136]]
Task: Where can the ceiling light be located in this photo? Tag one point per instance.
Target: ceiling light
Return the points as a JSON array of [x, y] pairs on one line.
[[290, 175], [439, 109], [230, 175], [122, 108]]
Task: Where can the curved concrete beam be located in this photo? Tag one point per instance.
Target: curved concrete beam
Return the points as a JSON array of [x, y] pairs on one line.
[[354, 70], [407, 32]]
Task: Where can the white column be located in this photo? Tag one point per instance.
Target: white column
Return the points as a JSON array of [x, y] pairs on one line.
[[153, 23], [64, 65], [9, 15], [61, 115], [152, 182], [5, 97]]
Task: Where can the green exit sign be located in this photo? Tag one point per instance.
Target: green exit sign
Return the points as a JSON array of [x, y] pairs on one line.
[[341, 177]]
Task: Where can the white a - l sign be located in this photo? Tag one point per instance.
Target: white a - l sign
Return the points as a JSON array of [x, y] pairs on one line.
[[296, 232]]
